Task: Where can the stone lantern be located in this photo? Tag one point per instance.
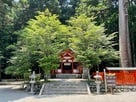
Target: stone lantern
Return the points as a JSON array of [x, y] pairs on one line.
[[32, 81], [98, 82]]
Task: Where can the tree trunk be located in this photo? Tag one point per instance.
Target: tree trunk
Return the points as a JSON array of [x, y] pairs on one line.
[[124, 39], [0, 76], [0, 72]]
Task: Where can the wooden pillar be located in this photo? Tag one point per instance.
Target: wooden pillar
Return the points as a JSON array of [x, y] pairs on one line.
[[61, 67], [72, 66], [0, 72]]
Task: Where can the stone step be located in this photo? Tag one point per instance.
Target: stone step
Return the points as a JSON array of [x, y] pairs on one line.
[[68, 76], [64, 92], [67, 89], [65, 85], [68, 82]]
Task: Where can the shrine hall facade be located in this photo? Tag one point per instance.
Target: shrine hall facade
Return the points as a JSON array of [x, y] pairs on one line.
[[68, 63]]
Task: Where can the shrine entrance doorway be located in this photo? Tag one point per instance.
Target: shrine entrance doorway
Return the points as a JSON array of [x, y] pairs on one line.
[[67, 68]]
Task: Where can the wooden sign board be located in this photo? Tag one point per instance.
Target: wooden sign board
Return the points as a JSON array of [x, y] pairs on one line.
[[111, 80]]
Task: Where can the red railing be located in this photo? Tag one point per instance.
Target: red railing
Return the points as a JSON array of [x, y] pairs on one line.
[[125, 77]]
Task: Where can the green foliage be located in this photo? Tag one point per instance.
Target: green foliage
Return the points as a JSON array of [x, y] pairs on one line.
[[43, 37], [19, 63], [90, 41], [91, 7], [27, 9], [90, 33], [89, 58], [49, 62], [67, 8], [103, 12], [1, 56], [7, 37], [26, 76], [1, 70]]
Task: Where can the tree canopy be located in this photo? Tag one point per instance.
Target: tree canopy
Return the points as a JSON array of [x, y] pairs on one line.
[[45, 35], [29, 33]]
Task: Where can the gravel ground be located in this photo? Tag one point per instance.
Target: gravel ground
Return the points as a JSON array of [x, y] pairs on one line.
[[12, 93]]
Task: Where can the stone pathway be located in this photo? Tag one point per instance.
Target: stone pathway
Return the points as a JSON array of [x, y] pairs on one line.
[[11, 93]]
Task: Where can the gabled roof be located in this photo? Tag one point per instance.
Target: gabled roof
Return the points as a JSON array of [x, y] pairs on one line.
[[67, 54]]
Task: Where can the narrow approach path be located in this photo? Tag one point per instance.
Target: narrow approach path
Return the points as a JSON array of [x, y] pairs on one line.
[[11, 93]]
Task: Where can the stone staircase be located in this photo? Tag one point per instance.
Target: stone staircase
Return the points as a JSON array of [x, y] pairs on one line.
[[65, 87]]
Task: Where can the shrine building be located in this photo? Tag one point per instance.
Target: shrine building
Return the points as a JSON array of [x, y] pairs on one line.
[[68, 63]]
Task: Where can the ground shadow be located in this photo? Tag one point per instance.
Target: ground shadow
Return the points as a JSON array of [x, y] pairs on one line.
[[11, 93]]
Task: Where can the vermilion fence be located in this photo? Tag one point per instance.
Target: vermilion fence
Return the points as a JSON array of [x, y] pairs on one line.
[[124, 76]]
